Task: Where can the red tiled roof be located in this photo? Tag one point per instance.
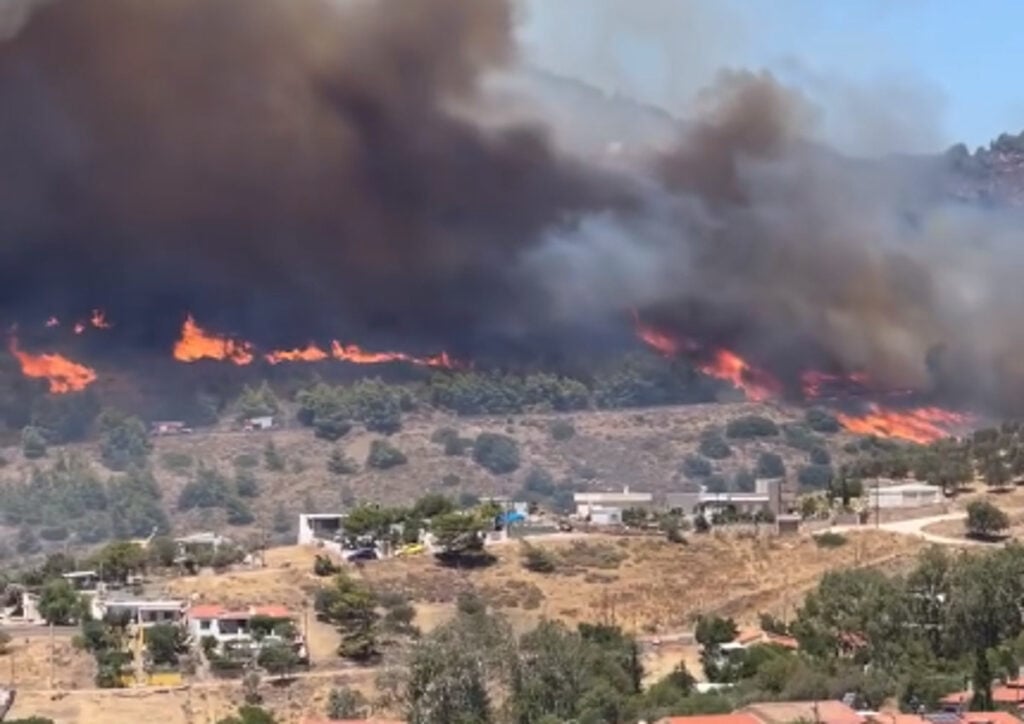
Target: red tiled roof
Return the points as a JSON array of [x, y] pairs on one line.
[[351, 721], [989, 717], [783, 712], [210, 611], [1000, 695], [737, 718]]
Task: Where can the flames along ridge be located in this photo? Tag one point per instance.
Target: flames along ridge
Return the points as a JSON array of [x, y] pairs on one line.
[[920, 424]]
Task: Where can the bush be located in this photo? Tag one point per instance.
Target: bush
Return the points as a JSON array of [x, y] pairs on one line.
[[256, 402], [821, 420], [246, 461], [331, 429], [562, 430], [238, 513], [751, 426], [815, 477], [744, 481], [176, 462], [820, 456], [457, 446], [696, 466], [538, 483], [272, 459], [770, 465], [985, 520], [340, 464], [801, 438], [537, 559], [246, 484], [33, 443], [714, 446], [497, 453], [829, 539], [125, 441], [383, 456], [210, 489]]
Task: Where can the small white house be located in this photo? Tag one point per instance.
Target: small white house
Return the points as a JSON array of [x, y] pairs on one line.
[[230, 625], [624, 499], [140, 611], [263, 422], [82, 580], [904, 495], [319, 527], [605, 515]]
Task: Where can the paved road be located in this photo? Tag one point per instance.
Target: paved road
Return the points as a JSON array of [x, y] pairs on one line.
[[915, 527]]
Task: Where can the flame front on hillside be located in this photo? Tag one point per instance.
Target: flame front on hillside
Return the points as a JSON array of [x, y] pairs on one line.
[[62, 374], [196, 344]]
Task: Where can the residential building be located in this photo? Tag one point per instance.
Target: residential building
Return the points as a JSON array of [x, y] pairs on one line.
[[622, 500], [230, 625], [1009, 694], [767, 496], [140, 611], [206, 539], [736, 718], [605, 515], [263, 422], [82, 580], [903, 495], [752, 636], [169, 427], [822, 712], [317, 527]]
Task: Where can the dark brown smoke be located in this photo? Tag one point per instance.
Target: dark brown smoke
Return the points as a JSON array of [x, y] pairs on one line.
[[282, 167]]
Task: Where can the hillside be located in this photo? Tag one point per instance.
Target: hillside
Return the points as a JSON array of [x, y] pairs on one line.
[[607, 450]]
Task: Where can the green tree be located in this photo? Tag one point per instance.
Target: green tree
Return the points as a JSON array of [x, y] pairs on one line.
[[279, 659], [562, 430], [33, 443], [751, 426], [124, 440], [59, 603], [119, 559], [770, 465], [384, 456], [256, 402], [460, 537], [272, 459], [985, 520], [351, 606], [246, 484], [713, 445], [821, 420], [497, 453], [340, 464], [165, 643], [432, 505], [282, 522]]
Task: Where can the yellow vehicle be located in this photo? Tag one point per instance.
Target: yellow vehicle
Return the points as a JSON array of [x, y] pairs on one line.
[[411, 549]]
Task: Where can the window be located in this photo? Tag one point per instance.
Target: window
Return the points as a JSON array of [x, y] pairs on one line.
[[204, 625]]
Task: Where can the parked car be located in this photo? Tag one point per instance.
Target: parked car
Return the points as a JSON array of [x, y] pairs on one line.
[[412, 549], [361, 554]]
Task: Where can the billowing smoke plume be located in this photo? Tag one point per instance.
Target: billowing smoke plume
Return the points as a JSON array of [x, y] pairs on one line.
[[281, 168], [295, 169]]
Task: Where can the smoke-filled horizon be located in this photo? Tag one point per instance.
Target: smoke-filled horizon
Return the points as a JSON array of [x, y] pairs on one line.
[[308, 169]]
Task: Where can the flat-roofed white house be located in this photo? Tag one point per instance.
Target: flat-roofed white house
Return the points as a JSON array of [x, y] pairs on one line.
[[320, 527], [904, 495], [587, 503], [142, 612]]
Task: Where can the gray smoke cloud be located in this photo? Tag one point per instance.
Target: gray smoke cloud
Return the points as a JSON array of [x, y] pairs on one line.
[[293, 169]]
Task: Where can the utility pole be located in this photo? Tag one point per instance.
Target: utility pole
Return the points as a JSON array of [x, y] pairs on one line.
[[51, 657]]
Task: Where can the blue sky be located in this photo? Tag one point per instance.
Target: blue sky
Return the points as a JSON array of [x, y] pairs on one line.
[[939, 71]]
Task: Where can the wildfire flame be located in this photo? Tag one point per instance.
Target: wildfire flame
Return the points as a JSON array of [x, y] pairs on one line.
[[664, 344], [816, 384], [756, 384], [311, 353], [921, 425], [357, 355], [196, 344], [63, 375]]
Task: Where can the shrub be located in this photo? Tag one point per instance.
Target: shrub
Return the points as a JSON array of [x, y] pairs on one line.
[[246, 484], [33, 443], [238, 513], [272, 459], [457, 446], [828, 539], [209, 490], [820, 456], [538, 483], [751, 426], [744, 481], [246, 461], [562, 430], [770, 465], [800, 437], [124, 442], [714, 446], [815, 477], [985, 520], [340, 464], [331, 429], [821, 420], [696, 466], [383, 455], [537, 559], [497, 453], [176, 462]]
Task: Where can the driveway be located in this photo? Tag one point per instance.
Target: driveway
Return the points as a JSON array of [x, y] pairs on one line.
[[915, 527]]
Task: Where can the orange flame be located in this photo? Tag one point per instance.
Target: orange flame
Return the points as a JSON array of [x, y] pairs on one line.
[[921, 425], [662, 343], [196, 344], [311, 353], [357, 355], [815, 383], [98, 319], [52, 322], [756, 384], [63, 375]]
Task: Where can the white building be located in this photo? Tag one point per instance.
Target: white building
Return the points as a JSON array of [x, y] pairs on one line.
[[264, 422], [585, 502], [605, 515], [320, 527], [82, 580], [904, 495], [140, 611], [230, 625]]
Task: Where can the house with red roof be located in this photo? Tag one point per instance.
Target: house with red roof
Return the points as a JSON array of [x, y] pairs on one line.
[[232, 625]]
